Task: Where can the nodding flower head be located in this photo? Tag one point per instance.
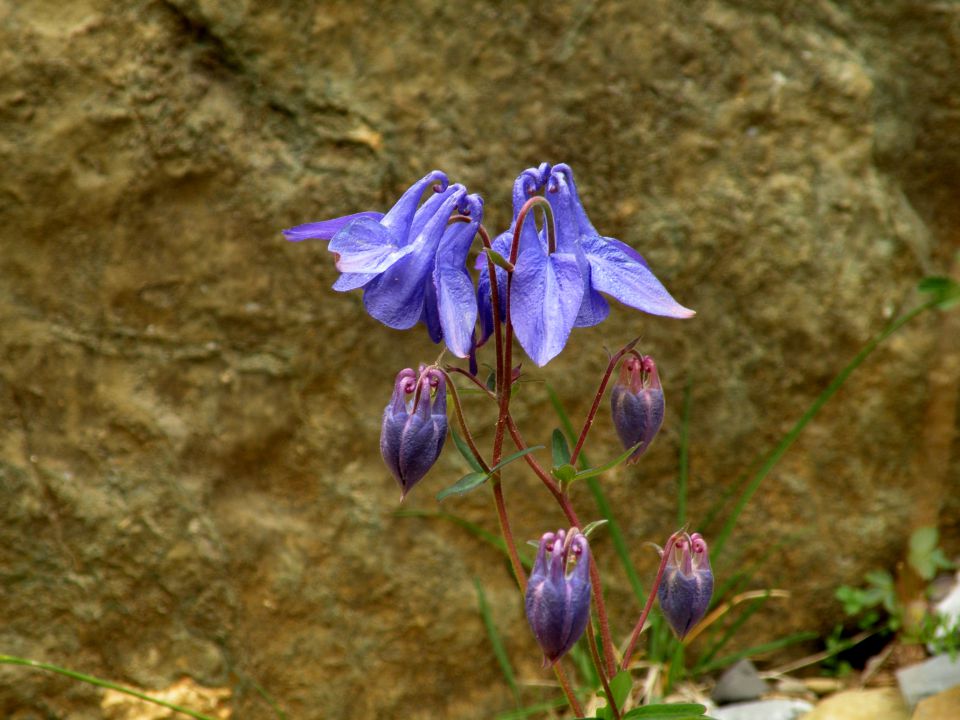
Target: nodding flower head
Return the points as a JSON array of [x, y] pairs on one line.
[[637, 404], [557, 599], [687, 582], [414, 426], [410, 261]]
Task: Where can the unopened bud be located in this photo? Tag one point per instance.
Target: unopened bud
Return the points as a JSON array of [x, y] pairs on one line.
[[637, 404], [414, 428], [558, 602], [687, 583]]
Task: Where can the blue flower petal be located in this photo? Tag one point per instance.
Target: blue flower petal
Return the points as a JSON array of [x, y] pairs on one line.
[[366, 246], [352, 281], [545, 300], [396, 297], [456, 298], [618, 274], [326, 229]]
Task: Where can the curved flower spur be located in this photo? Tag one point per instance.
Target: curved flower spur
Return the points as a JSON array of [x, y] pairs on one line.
[[411, 261], [559, 288], [558, 603]]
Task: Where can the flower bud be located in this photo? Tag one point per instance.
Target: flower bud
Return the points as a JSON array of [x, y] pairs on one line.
[[637, 404], [558, 603], [414, 428], [687, 582]]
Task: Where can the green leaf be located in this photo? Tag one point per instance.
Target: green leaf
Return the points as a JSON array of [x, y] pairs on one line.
[[945, 292], [596, 524], [498, 259], [593, 472], [476, 479], [620, 686], [516, 456], [671, 711], [564, 473], [464, 485], [561, 451], [464, 451]]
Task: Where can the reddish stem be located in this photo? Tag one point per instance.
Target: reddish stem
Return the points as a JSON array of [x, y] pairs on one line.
[[601, 671], [628, 653], [588, 422], [571, 514]]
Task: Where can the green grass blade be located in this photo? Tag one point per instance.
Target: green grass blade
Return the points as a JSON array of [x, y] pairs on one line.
[[774, 457], [499, 650], [759, 650], [99, 682]]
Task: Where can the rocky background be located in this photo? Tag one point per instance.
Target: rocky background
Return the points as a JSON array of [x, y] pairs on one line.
[[188, 459]]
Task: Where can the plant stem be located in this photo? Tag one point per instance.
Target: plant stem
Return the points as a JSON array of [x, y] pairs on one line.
[[567, 690], [588, 421], [571, 514], [508, 534], [467, 435], [628, 653], [601, 671], [90, 679]]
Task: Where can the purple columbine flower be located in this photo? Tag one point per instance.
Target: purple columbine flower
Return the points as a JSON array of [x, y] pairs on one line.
[[410, 262], [637, 404], [414, 428], [558, 603], [553, 292], [687, 583]]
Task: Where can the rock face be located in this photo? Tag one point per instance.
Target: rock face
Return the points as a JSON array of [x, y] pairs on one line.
[[188, 467]]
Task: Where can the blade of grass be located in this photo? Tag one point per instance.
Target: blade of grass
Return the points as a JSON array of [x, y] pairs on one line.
[[778, 644], [499, 651], [774, 457], [100, 682]]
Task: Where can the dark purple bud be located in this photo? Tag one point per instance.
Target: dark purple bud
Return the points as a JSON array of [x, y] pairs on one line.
[[558, 603], [687, 583], [637, 404], [414, 428]]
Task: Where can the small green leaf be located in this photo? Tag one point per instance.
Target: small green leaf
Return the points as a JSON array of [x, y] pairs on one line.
[[516, 456], [492, 381], [564, 473], [620, 686], [593, 526], [464, 485], [498, 259], [561, 451], [672, 711], [464, 451], [593, 472], [945, 291]]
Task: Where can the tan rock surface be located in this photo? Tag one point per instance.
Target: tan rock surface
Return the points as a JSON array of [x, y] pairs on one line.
[[942, 706], [189, 476], [874, 704]]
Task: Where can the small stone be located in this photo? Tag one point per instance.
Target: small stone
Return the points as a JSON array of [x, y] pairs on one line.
[[928, 678], [877, 704], [942, 706], [774, 709], [740, 682], [823, 686]]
